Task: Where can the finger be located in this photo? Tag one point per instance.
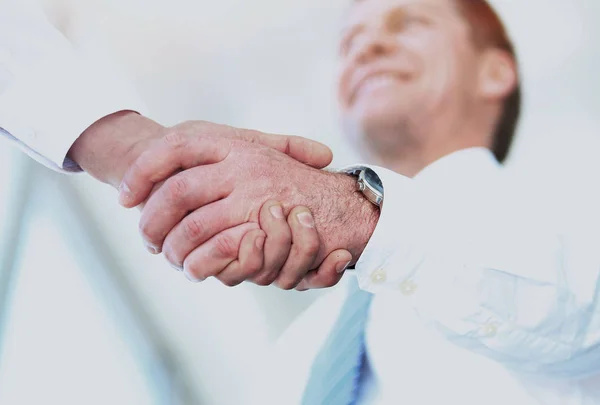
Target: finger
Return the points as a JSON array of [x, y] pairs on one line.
[[199, 227], [329, 273], [305, 150], [305, 247], [174, 151], [249, 261], [277, 244], [210, 258], [179, 195]]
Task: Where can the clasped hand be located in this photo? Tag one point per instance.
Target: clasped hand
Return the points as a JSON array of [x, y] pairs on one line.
[[246, 206]]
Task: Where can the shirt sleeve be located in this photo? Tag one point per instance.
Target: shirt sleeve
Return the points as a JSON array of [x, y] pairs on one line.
[[490, 269], [50, 94]]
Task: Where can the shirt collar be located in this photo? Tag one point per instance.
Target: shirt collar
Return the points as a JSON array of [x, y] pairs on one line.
[[460, 164]]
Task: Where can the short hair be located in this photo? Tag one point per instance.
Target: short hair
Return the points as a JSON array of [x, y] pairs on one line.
[[488, 31]]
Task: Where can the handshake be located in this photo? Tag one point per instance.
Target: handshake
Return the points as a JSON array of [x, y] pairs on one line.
[[233, 204]]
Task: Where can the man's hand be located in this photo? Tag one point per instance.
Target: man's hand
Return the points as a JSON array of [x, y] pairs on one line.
[[237, 178], [108, 147]]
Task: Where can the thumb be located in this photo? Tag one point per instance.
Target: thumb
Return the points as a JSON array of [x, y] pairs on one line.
[[329, 273], [307, 151]]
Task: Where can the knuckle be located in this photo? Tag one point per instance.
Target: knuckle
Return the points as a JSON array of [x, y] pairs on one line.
[[177, 187], [195, 271], [147, 231], [255, 269], [189, 124], [241, 134], [286, 147], [251, 270], [231, 282], [261, 281], [248, 135], [265, 279], [171, 255], [139, 165], [225, 246], [175, 138], [193, 228], [248, 267], [280, 236], [286, 284]]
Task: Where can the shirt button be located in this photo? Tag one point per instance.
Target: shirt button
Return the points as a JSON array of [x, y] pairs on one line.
[[408, 287], [378, 276], [489, 330]]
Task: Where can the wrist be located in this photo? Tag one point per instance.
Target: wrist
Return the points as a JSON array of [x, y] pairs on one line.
[[107, 148], [351, 217], [363, 213]]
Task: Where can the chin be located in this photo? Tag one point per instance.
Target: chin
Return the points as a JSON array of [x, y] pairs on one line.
[[380, 109], [378, 124], [381, 118]]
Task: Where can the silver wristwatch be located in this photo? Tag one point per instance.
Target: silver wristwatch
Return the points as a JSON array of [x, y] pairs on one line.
[[369, 183]]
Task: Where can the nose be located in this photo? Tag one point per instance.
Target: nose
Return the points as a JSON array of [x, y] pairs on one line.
[[374, 46]]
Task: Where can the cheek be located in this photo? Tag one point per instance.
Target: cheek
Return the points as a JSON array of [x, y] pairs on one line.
[[442, 76], [343, 88], [417, 52], [437, 66]]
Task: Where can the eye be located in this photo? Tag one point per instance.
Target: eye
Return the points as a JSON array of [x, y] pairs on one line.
[[397, 24], [401, 21]]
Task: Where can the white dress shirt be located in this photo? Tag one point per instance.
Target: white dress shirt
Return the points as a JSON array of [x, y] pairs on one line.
[[49, 93], [483, 294]]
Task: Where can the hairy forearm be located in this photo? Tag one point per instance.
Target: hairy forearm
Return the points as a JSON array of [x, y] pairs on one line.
[[109, 146], [353, 217], [344, 218]]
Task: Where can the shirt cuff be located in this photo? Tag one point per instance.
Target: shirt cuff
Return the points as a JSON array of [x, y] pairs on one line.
[[50, 105], [390, 242]]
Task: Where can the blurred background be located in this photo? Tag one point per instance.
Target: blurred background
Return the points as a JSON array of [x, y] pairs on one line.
[[85, 309]]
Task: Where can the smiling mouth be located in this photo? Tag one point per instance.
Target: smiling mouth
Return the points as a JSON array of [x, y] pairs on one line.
[[374, 83]]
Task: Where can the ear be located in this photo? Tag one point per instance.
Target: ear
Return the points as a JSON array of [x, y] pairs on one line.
[[497, 74]]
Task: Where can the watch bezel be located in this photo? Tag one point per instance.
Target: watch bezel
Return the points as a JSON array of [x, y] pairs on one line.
[[370, 191]]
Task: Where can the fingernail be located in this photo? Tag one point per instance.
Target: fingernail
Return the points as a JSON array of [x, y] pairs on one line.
[[306, 219], [341, 266], [260, 242], [152, 249], [125, 194], [176, 267], [276, 211]]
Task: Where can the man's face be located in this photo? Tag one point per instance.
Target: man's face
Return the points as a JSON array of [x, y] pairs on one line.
[[401, 59]]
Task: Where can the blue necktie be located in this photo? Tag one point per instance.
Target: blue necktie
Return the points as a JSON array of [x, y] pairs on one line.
[[336, 371]]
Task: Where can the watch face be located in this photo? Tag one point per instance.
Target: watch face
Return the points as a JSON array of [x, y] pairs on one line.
[[373, 179]]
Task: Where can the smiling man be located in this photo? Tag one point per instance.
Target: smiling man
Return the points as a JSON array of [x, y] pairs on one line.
[[406, 63]]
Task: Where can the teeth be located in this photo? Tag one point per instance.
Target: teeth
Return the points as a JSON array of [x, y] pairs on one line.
[[376, 82]]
